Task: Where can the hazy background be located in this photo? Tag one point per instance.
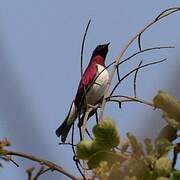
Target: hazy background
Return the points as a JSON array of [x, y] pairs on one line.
[[40, 44]]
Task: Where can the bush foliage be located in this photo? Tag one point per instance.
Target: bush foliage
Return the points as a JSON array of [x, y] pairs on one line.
[[111, 158]]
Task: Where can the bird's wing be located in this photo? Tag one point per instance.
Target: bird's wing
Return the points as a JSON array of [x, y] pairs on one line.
[[85, 83]]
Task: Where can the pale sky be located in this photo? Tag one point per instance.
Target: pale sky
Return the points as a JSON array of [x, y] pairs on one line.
[[40, 69]]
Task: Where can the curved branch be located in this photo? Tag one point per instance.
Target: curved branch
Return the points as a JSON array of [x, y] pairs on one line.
[[118, 59], [49, 164], [132, 71], [82, 47], [160, 16], [135, 79], [145, 50], [128, 99]]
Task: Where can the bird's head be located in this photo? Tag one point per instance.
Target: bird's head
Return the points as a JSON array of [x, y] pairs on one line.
[[101, 50]]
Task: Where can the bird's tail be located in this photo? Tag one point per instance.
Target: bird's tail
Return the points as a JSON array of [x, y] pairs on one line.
[[65, 127]]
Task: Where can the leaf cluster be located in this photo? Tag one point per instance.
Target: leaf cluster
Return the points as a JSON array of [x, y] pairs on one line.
[[111, 158]]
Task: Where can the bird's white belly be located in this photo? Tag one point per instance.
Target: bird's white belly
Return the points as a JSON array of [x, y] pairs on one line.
[[97, 90]]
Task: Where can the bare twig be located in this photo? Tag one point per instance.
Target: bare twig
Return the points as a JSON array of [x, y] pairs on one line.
[[88, 133], [175, 154], [9, 158], [72, 140], [118, 59], [85, 119], [163, 14], [118, 74], [82, 47], [67, 143], [29, 172], [135, 78], [15, 163], [47, 163], [41, 171], [96, 115], [89, 109], [135, 69], [128, 99], [77, 162], [145, 50]]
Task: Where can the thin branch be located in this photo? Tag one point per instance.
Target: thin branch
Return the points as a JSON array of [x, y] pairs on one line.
[[88, 133], [160, 16], [9, 158], [72, 140], [79, 169], [118, 59], [67, 143], [145, 65], [39, 173], [29, 172], [96, 115], [82, 51], [135, 78], [82, 47], [42, 161], [15, 163], [74, 152], [128, 99], [175, 154], [135, 69], [145, 50], [139, 42], [118, 74], [85, 121], [166, 13]]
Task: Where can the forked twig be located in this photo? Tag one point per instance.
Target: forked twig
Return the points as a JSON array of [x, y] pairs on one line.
[[132, 71], [47, 163], [145, 50], [118, 59], [163, 14], [82, 47], [115, 98], [135, 79]]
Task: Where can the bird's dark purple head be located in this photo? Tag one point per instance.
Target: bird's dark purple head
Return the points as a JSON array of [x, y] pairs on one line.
[[101, 50]]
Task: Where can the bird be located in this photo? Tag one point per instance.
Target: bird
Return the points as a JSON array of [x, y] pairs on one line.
[[90, 91]]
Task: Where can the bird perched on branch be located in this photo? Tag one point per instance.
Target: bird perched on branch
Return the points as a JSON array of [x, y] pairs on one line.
[[90, 91]]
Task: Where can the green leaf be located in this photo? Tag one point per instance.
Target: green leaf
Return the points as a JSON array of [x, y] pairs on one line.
[[135, 167], [115, 172], [149, 146], [86, 148], [130, 178], [2, 152], [163, 146], [162, 178], [168, 104], [150, 159], [100, 156], [168, 132], [163, 166], [106, 134], [150, 175], [175, 175], [172, 122], [136, 147]]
